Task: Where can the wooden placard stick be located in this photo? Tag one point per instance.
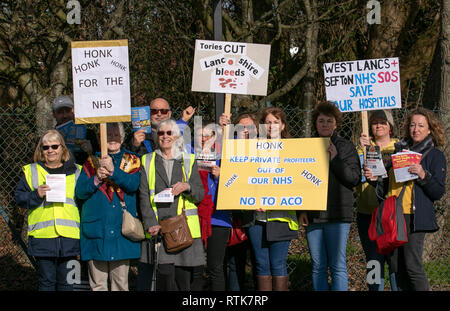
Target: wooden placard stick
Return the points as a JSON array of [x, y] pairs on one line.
[[365, 128], [227, 111], [103, 140]]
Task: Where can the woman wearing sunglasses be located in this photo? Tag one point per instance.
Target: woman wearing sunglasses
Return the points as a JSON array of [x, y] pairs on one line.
[[53, 227], [170, 182]]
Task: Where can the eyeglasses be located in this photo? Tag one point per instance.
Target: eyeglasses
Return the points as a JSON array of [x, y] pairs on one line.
[[161, 133], [163, 111], [54, 147]]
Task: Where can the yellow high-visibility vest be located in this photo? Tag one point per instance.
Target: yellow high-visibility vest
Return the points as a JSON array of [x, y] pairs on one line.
[[148, 161], [290, 218], [51, 219]]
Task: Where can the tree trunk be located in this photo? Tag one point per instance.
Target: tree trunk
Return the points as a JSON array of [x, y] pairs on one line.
[[437, 96], [309, 87]]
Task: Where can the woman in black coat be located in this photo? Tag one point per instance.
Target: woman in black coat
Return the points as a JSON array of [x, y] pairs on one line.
[[327, 231]]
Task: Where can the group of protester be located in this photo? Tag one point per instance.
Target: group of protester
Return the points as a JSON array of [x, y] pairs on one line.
[[141, 165]]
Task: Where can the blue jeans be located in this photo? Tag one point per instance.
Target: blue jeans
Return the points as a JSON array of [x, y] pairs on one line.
[[237, 260], [53, 273], [270, 257], [327, 244], [370, 250]]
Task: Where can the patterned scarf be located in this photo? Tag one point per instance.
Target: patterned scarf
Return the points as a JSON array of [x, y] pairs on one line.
[[129, 164]]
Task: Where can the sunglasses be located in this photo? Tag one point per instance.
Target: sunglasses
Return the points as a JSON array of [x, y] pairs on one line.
[[54, 147], [161, 133], [163, 111]]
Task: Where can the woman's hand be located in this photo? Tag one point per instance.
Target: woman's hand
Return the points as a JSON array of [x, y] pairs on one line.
[[42, 189], [154, 230], [180, 187], [303, 219], [215, 171], [332, 150], [417, 169], [364, 141], [107, 163], [368, 173], [224, 119], [102, 173]]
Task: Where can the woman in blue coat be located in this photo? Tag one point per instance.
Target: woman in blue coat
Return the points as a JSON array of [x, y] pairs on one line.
[[106, 184]]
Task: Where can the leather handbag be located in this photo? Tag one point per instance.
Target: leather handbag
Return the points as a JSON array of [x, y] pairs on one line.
[[176, 233], [132, 227]]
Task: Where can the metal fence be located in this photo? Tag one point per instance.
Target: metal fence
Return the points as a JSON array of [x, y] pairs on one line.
[[17, 144]]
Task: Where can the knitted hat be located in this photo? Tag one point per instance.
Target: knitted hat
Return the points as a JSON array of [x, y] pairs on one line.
[[382, 115]]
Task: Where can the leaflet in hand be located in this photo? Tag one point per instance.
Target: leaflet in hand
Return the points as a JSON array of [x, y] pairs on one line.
[[401, 161], [140, 118], [164, 196], [374, 161], [205, 161], [57, 184]]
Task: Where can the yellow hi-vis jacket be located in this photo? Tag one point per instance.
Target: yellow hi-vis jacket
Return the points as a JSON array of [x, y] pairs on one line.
[[50, 219], [148, 161], [284, 216]]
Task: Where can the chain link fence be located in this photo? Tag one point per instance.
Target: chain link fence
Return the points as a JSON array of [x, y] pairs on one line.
[[18, 141]]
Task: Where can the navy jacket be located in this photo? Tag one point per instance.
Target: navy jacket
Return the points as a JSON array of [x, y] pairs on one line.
[[38, 247], [428, 190]]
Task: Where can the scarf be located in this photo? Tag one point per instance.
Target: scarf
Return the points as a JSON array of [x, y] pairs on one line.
[[129, 164], [205, 208]]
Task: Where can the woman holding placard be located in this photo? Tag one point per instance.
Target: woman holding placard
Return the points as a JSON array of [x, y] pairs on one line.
[[423, 132], [327, 231], [271, 232], [108, 185], [381, 129], [53, 225]]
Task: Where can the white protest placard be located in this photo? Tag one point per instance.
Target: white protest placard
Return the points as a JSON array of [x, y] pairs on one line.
[[362, 85], [231, 67], [57, 184], [101, 81]]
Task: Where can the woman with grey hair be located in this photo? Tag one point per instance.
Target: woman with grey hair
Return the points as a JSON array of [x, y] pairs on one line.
[[108, 185], [175, 172]]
